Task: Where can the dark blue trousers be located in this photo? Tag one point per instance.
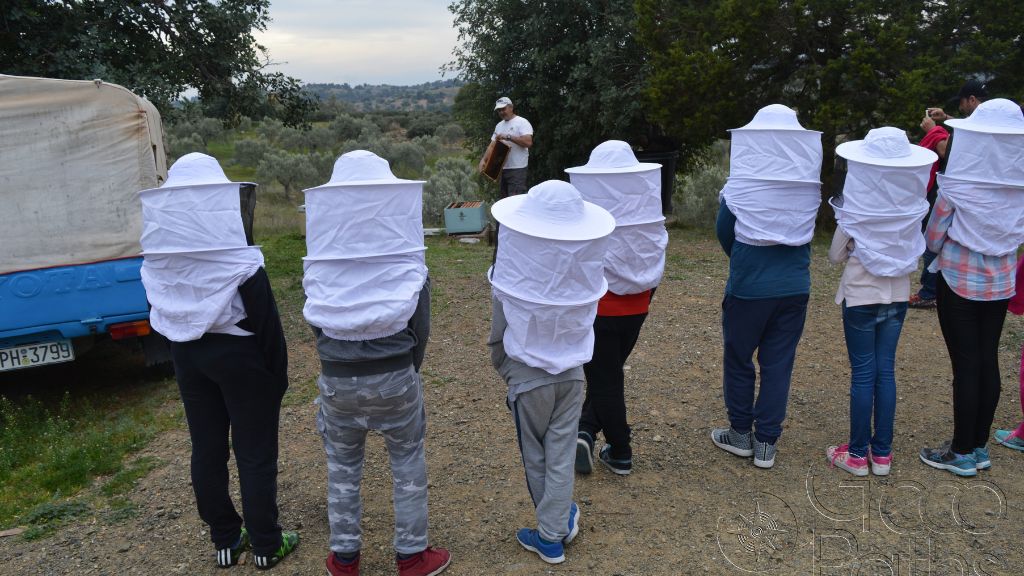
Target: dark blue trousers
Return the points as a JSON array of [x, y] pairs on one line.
[[771, 327]]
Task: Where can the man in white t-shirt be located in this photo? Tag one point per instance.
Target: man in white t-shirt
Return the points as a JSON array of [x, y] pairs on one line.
[[517, 132]]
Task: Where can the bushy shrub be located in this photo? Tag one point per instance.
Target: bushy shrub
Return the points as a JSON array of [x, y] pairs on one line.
[[450, 134], [347, 127], [178, 146], [249, 152], [695, 198], [451, 179], [270, 129], [407, 160]]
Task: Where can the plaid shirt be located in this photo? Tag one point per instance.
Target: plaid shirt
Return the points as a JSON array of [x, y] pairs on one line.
[[971, 275]]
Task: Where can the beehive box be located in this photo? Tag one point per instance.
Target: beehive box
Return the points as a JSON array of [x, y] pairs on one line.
[[464, 217]]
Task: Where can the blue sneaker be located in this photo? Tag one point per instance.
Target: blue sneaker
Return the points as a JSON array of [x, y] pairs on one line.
[[1009, 439], [550, 552], [981, 458], [944, 458], [574, 523]]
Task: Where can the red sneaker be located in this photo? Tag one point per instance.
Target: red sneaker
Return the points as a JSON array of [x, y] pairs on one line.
[[335, 568], [430, 562]]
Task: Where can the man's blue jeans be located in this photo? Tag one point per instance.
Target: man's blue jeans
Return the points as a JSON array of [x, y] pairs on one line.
[[872, 333]]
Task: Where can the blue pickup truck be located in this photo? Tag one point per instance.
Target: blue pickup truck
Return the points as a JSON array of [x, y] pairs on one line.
[[73, 155]]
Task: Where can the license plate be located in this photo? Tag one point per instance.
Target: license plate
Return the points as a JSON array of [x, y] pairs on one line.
[[36, 355]]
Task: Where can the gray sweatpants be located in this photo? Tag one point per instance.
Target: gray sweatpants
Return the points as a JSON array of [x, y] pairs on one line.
[[546, 424], [393, 404]]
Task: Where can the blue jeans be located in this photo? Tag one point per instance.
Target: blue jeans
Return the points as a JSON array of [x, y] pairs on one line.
[[872, 333]]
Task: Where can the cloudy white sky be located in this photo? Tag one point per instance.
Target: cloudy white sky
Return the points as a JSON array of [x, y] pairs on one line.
[[360, 41]]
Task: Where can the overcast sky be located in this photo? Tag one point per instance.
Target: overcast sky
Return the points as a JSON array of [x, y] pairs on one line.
[[360, 41]]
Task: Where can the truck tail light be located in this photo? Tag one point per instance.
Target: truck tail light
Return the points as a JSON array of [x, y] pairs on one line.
[[129, 329]]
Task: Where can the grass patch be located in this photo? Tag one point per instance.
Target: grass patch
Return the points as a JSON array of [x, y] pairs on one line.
[[49, 452], [121, 509], [125, 479], [49, 516]]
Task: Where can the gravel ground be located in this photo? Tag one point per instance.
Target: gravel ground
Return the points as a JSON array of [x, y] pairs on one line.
[[688, 508]]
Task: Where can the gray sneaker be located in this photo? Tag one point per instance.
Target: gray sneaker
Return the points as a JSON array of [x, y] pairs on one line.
[[732, 441], [764, 454]]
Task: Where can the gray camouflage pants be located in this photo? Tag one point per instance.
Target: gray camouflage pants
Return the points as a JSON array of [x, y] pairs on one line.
[[393, 404]]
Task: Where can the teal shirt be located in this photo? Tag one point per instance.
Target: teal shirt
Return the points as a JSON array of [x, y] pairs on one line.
[[757, 272]]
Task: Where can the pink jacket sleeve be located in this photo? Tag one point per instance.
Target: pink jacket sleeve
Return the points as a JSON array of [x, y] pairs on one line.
[[1017, 302]]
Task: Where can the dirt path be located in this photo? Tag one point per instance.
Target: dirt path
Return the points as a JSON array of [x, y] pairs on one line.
[[688, 508]]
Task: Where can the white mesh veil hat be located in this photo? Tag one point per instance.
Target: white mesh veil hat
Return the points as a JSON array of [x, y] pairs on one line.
[[989, 145], [196, 210], [884, 200], [774, 146], [774, 185], [555, 210], [774, 117], [363, 211], [362, 168], [886, 146], [612, 157], [195, 250], [996, 116], [549, 274], [364, 267], [631, 191], [614, 180], [194, 169]]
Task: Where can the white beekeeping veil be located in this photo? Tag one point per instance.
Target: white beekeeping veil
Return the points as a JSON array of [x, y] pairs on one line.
[[631, 191], [774, 188], [195, 251], [884, 201], [984, 178], [364, 267], [549, 274]]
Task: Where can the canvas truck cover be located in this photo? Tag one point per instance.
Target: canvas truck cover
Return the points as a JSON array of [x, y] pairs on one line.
[[73, 155]]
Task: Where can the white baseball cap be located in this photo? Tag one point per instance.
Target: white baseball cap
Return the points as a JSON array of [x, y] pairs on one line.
[[502, 102]]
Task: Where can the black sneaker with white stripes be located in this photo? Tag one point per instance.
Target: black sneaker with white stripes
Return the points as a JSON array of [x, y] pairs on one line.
[[228, 557], [289, 540]]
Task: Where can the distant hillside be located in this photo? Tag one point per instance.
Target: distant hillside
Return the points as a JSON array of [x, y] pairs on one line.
[[438, 95]]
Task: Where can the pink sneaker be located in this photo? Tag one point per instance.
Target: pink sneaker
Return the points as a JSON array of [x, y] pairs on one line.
[[840, 456], [880, 464]]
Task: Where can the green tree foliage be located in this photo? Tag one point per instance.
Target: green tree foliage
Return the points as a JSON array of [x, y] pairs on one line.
[[437, 95], [250, 151], [158, 49], [179, 145], [572, 68], [844, 66], [293, 171]]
